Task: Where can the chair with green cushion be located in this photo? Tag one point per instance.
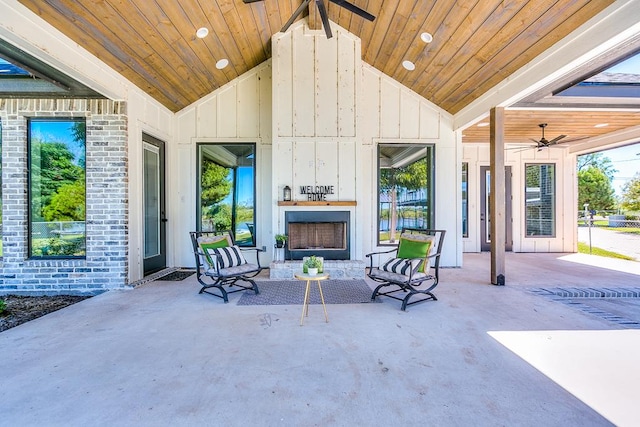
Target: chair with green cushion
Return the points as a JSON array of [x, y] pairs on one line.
[[411, 268], [221, 264]]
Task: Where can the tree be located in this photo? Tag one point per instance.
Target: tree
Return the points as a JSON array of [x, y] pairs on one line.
[[215, 187], [599, 161], [52, 168], [67, 204], [393, 180], [631, 194], [594, 188]]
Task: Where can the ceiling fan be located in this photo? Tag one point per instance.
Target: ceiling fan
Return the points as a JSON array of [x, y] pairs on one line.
[[323, 13], [543, 142]]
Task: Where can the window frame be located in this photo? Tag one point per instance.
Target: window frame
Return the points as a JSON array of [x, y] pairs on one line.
[[30, 216], [464, 180], [234, 225], [429, 190], [553, 209]]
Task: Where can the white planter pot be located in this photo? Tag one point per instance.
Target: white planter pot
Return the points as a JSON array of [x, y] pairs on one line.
[[313, 271]]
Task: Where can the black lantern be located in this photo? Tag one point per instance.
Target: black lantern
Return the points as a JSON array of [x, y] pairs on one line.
[[286, 193]]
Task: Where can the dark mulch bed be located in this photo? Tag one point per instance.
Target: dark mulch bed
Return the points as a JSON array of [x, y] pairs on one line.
[[21, 309]]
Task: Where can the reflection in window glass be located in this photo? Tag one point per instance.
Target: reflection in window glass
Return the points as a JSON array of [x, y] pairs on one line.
[[405, 189], [226, 193], [57, 187], [465, 199], [540, 200]]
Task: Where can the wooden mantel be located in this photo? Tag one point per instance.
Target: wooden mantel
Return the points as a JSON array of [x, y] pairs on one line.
[[318, 203]]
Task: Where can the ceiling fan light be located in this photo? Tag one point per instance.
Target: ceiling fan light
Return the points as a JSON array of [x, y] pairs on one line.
[[426, 37], [202, 32], [222, 63], [601, 125], [408, 65]]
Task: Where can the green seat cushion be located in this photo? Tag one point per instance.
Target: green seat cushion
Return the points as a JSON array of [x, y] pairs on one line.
[[207, 248], [414, 248]]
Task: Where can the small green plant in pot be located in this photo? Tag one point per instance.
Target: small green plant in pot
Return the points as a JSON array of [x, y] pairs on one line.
[[281, 240], [312, 265]]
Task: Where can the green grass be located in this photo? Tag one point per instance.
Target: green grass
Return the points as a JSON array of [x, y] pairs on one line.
[[583, 248]]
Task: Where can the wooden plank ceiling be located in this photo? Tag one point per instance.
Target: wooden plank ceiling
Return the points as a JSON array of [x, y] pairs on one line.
[[523, 125], [476, 44]]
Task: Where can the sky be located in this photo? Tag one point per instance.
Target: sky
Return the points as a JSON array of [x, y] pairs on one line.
[[627, 161], [631, 66], [57, 131]]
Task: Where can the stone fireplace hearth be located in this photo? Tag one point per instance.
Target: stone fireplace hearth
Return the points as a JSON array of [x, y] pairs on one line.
[[321, 233]]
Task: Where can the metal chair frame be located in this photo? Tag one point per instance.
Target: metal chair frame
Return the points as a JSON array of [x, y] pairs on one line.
[[414, 283], [224, 278]]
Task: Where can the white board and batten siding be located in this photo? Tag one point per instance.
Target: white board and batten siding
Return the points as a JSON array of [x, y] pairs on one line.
[[331, 110], [392, 113], [477, 155], [239, 112]]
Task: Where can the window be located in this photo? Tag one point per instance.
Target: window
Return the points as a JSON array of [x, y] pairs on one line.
[[226, 191], [540, 200], [465, 199], [405, 189], [57, 188], [1, 230]]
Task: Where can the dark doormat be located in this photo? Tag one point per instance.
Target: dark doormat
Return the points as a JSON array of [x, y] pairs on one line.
[[177, 275]]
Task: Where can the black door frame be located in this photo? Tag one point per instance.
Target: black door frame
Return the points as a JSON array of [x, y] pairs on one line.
[[156, 262]]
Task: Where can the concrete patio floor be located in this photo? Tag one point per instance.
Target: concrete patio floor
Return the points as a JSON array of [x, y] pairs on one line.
[[162, 354]]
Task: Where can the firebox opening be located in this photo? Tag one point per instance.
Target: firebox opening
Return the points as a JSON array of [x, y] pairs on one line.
[[314, 235], [321, 233]]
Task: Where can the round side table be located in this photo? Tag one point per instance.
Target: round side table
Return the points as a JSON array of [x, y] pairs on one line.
[[305, 304]]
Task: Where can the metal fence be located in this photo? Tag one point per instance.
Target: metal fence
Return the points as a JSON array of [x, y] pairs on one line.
[[52, 229], [602, 219]]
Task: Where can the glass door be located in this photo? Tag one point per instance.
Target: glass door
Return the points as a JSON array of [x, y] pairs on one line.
[[485, 209], [154, 205]]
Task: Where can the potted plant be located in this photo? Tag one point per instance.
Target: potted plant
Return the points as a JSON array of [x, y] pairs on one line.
[[312, 265], [281, 240]]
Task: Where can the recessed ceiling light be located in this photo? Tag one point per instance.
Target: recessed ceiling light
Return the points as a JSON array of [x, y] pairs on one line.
[[202, 32], [408, 65], [483, 124], [426, 37], [601, 125], [222, 63]]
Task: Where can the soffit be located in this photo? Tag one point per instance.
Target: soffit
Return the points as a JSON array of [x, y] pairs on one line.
[[476, 44]]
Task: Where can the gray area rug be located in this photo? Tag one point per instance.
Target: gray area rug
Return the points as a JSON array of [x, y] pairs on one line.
[[291, 292]]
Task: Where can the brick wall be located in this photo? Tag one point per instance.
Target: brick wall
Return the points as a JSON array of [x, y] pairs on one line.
[[107, 205]]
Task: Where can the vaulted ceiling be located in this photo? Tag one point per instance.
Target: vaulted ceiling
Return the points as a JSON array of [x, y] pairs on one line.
[[476, 43]]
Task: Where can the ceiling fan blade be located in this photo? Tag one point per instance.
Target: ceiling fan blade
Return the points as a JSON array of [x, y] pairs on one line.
[[521, 147], [556, 139], [297, 13], [355, 9], [533, 147], [324, 17]]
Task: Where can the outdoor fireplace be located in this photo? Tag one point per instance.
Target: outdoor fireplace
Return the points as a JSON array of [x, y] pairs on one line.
[[320, 233]]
